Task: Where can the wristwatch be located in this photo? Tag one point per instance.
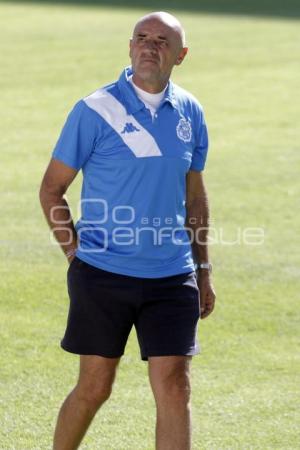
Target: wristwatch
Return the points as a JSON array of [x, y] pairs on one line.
[[204, 265]]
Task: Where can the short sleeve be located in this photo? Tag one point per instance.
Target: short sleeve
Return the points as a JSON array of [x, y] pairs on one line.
[[201, 147], [77, 139]]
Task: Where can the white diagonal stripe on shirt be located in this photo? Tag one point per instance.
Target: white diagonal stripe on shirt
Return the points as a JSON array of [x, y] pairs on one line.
[[113, 112]]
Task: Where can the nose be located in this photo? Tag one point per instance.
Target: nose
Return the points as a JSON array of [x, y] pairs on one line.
[[151, 44]]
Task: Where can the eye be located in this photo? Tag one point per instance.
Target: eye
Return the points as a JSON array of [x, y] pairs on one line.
[[163, 44]]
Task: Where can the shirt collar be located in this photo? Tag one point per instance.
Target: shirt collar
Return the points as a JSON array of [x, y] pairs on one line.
[[131, 100]]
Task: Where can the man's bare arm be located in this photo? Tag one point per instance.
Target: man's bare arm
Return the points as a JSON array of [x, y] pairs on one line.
[[197, 214], [55, 183], [197, 220]]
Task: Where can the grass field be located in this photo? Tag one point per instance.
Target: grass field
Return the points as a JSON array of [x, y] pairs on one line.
[[245, 71]]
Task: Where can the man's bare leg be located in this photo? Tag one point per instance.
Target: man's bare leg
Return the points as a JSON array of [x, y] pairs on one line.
[[94, 386], [169, 378]]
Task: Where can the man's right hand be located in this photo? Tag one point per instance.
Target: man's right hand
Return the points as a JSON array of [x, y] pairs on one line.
[[70, 254]]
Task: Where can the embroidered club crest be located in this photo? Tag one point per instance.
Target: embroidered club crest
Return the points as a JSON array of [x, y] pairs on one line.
[[184, 130]]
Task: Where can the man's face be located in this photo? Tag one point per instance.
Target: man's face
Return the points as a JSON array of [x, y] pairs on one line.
[[154, 50]]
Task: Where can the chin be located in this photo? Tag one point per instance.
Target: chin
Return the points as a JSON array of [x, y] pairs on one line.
[[147, 75]]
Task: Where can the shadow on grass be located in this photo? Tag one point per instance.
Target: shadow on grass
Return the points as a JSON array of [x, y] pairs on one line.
[[273, 8]]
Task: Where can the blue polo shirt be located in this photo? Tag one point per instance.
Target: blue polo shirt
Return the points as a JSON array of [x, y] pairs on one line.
[[134, 177]]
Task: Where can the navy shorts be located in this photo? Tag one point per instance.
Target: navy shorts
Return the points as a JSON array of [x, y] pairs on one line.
[[104, 306]]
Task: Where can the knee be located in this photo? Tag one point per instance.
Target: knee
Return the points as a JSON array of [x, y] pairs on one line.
[[93, 394], [175, 388]]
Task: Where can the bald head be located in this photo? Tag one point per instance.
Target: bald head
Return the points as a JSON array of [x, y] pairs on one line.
[[157, 45], [166, 19]]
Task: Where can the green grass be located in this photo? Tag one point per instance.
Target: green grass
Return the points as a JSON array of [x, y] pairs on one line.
[[245, 71]]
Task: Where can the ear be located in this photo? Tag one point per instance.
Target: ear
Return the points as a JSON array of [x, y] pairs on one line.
[[181, 56], [130, 45]]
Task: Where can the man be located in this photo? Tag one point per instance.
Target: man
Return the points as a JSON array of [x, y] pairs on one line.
[[141, 143]]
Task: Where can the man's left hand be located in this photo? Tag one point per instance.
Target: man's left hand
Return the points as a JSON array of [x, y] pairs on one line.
[[207, 293]]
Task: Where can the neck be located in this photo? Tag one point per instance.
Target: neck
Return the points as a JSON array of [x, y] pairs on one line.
[[153, 87]]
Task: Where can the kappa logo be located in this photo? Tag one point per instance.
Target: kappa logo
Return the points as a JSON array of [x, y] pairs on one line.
[[129, 128], [184, 130]]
